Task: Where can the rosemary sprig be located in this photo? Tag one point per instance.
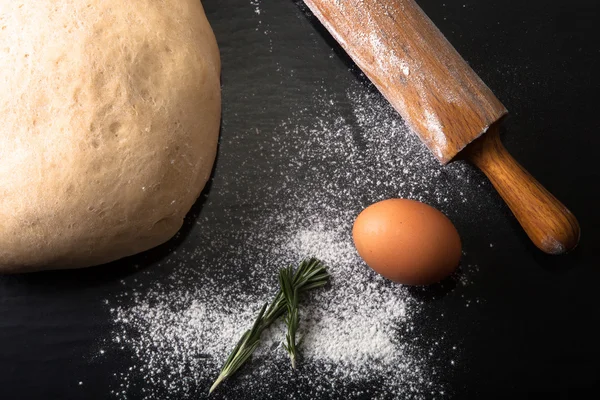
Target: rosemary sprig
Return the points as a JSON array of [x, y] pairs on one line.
[[311, 274], [286, 282]]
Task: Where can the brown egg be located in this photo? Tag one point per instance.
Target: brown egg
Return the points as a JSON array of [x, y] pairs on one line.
[[407, 241]]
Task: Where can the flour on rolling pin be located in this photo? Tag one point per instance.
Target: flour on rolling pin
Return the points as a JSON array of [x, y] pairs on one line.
[[416, 69]]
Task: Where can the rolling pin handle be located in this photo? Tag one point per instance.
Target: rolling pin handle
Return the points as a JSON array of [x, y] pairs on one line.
[[547, 222]]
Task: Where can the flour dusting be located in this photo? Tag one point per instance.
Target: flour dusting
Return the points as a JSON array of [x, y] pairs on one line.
[[362, 336], [359, 329]]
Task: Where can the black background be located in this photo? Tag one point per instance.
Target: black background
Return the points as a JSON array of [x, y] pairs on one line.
[[537, 330]]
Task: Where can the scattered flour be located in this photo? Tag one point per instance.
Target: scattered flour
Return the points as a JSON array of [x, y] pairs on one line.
[[256, 4], [359, 330], [362, 337]]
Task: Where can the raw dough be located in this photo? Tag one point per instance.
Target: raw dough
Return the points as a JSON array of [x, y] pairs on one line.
[[110, 112]]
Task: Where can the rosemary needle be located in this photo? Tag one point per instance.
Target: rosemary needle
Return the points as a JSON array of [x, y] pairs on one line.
[[311, 274]]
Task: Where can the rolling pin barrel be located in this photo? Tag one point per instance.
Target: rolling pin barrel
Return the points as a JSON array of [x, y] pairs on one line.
[[414, 66]]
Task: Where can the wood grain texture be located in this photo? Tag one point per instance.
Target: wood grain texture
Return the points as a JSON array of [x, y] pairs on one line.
[[413, 65], [547, 222]]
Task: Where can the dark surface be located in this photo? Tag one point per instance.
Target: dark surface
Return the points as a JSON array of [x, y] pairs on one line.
[[538, 328]]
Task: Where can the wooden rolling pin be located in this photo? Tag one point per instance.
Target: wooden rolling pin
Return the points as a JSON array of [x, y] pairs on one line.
[[444, 101]]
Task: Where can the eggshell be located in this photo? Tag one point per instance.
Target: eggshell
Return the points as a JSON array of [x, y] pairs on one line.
[[407, 241]]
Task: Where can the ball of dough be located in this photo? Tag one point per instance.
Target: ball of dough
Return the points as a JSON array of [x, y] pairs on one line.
[[110, 113]]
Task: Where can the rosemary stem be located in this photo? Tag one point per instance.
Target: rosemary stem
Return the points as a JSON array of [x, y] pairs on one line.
[[220, 379]]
